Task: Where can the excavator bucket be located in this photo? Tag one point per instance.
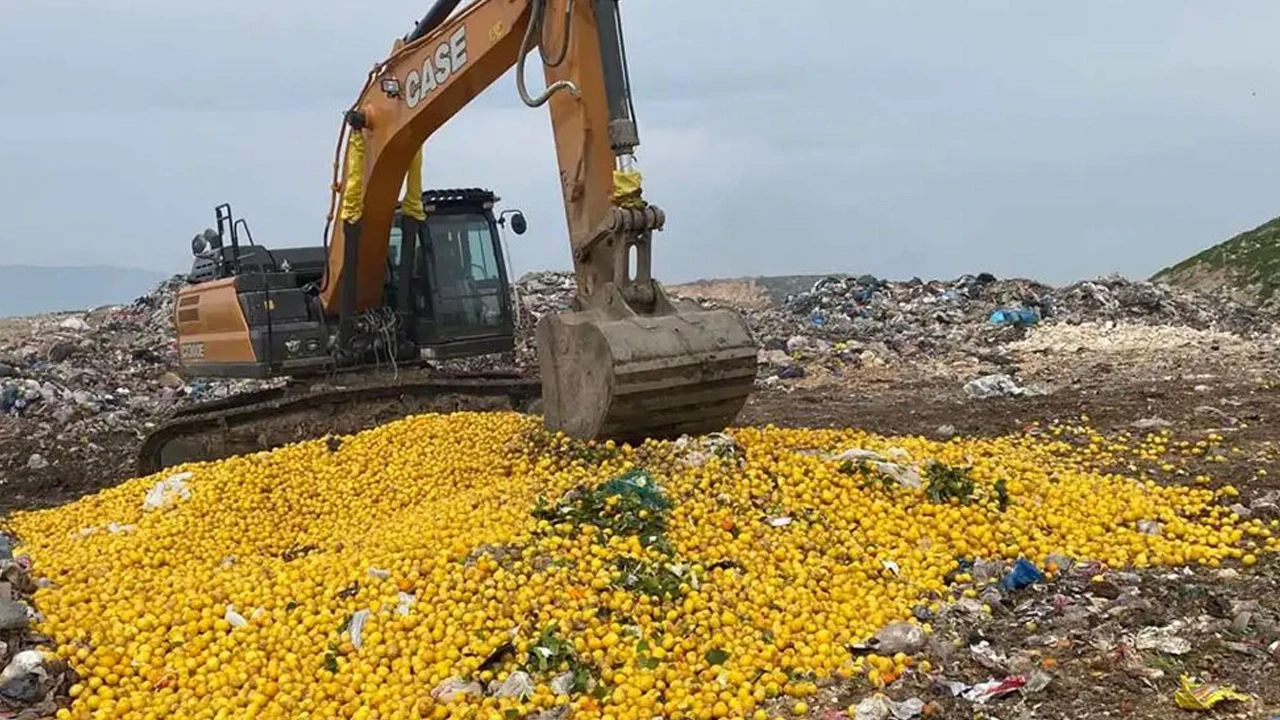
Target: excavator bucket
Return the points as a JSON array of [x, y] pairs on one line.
[[611, 373]]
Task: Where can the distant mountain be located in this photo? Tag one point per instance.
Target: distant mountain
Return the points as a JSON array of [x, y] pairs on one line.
[[1245, 268], [30, 289]]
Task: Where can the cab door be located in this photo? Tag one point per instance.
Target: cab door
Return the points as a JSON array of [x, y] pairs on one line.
[[467, 283]]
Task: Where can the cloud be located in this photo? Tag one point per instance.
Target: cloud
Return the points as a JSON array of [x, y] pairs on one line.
[[932, 139]]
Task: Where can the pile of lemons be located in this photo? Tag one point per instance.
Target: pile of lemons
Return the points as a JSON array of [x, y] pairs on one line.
[[470, 565]]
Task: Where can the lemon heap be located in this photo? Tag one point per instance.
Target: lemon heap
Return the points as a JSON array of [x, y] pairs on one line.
[[462, 545]]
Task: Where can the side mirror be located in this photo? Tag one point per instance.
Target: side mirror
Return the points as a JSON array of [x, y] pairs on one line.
[[518, 223]]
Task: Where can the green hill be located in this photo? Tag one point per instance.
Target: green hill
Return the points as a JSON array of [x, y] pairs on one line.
[[1245, 268]]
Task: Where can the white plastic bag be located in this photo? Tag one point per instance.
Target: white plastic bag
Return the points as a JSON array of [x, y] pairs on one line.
[[168, 492]]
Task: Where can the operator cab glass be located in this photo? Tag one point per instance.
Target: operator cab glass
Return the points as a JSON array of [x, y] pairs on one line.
[[456, 287], [466, 277]]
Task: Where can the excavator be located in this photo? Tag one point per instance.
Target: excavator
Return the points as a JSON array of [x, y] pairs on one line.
[[351, 329]]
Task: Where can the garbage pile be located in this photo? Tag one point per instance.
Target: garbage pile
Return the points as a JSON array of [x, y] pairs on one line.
[[74, 376], [31, 677], [539, 293], [1007, 631], [918, 317], [867, 321]]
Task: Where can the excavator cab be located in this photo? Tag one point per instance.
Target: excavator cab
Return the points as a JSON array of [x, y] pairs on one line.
[[252, 311], [451, 279]]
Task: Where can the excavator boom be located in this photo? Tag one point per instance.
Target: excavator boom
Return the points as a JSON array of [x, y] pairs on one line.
[[400, 281], [627, 362]]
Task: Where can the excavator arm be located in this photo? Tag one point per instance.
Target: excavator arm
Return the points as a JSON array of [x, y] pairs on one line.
[[626, 362], [427, 80]]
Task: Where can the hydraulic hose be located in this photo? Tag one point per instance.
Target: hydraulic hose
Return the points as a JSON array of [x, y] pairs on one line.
[[537, 14]]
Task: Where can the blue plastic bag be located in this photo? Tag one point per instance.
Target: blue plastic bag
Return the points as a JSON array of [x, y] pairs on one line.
[[1014, 316], [1024, 573]]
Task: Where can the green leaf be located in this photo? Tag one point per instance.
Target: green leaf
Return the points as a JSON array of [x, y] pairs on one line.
[[331, 663], [650, 663], [717, 656], [581, 680]]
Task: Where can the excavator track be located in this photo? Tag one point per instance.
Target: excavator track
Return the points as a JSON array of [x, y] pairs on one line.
[[270, 418]]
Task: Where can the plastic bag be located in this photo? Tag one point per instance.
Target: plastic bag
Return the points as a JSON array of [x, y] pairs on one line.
[[640, 485], [983, 692], [1017, 317], [518, 685], [1195, 696], [1023, 574], [233, 618], [626, 189], [168, 492], [879, 707], [357, 628], [455, 687], [898, 637], [404, 602]]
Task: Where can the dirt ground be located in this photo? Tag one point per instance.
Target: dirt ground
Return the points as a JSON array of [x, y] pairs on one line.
[[1094, 673]]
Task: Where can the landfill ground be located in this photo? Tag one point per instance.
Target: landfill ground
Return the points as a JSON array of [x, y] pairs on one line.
[[1229, 615], [1088, 642]]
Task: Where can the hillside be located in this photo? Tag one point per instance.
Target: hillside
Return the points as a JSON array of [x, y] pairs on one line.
[[1245, 268], [750, 292], [30, 289]]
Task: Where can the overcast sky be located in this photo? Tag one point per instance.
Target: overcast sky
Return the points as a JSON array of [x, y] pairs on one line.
[[928, 138]]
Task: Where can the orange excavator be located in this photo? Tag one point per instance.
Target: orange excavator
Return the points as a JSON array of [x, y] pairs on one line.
[[354, 324]]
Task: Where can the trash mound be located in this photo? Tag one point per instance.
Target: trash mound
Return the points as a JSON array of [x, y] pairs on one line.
[[867, 304], [453, 564], [73, 377], [866, 321], [31, 678]]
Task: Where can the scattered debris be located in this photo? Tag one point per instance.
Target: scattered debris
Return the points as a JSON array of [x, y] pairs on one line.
[[1023, 574], [1162, 639], [992, 386], [455, 687], [880, 707], [991, 689], [518, 684], [898, 637], [1198, 696]]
